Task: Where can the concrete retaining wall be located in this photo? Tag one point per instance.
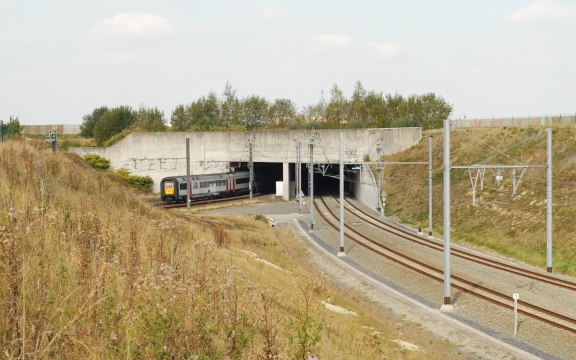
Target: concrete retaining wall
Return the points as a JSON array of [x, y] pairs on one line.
[[365, 188], [164, 154]]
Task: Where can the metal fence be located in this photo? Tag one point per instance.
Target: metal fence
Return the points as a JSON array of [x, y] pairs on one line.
[[43, 129], [545, 120]]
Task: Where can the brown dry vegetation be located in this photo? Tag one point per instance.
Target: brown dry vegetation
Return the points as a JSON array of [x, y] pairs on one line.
[[89, 270], [513, 226]]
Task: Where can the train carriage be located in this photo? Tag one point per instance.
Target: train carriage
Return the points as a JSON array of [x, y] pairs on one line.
[[173, 189]]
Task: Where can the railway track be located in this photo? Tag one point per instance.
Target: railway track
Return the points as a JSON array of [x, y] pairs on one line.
[[491, 263], [549, 317], [206, 201]]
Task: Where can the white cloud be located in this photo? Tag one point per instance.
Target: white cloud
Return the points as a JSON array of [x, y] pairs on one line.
[[386, 48], [6, 5], [270, 14], [333, 39], [134, 24], [543, 11]]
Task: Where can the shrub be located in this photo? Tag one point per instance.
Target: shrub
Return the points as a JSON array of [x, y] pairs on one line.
[[97, 162], [221, 237], [138, 182], [121, 135], [406, 121], [260, 217]]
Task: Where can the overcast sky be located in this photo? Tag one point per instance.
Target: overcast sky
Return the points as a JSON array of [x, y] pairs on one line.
[[60, 59]]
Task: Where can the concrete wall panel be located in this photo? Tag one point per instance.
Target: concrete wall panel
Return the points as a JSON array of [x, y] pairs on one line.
[[164, 154]]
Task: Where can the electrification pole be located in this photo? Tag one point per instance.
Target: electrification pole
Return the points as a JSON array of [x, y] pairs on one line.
[[549, 199], [311, 181], [341, 252], [430, 186], [379, 168], [250, 166], [189, 186], [447, 303], [298, 176]]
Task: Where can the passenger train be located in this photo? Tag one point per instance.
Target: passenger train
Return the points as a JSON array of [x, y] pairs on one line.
[[173, 189]]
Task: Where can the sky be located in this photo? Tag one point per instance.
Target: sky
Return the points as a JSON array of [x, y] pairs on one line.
[[60, 59]]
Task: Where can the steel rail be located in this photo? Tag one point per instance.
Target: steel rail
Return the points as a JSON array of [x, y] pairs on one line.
[[204, 201], [565, 284], [459, 283]]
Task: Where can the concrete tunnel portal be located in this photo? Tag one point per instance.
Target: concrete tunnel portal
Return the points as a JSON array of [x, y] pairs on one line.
[[273, 153], [326, 176]]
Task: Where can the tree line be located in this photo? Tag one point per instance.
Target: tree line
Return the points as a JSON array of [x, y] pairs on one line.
[[229, 112]]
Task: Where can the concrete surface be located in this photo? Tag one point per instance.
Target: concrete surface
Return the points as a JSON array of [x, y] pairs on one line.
[[279, 211], [164, 154]]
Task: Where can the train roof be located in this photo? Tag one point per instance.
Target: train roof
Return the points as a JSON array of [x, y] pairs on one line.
[[203, 177]]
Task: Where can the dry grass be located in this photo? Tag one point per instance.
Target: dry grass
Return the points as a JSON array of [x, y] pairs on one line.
[[89, 270], [511, 225]]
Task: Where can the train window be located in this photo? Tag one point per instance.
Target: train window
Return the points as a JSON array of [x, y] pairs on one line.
[[169, 187], [196, 185], [182, 186]]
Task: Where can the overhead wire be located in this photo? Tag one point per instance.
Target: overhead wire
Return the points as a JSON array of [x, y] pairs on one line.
[[499, 152]]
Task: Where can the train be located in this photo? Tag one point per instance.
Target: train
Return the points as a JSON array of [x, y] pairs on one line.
[[173, 188]]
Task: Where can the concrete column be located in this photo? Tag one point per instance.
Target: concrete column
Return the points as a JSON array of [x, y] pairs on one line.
[[286, 181]]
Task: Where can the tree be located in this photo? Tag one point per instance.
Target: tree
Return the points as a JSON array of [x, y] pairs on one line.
[[149, 119], [113, 122], [230, 110], [89, 121], [395, 108], [254, 112], [280, 113], [336, 113], [12, 128], [432, 111], [364, 109], [204, 113], [357, 110], [315, 114], [374, 110], [180, 120]]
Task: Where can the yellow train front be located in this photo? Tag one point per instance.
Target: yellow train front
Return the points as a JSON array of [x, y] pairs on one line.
[[173, 189]]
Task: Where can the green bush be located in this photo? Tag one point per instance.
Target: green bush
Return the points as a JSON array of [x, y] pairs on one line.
[[406, 121], [138, 182], [260, 217], [97, 162]]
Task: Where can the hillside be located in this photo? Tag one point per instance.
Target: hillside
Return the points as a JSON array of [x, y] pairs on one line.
[[514, 226], [88, 269]]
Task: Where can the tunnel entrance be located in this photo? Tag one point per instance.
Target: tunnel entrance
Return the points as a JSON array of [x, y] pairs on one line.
[[325, 178]]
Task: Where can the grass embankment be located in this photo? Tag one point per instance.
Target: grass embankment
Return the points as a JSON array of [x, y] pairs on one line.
[[89, 270], [514, 226], [66, 141]]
